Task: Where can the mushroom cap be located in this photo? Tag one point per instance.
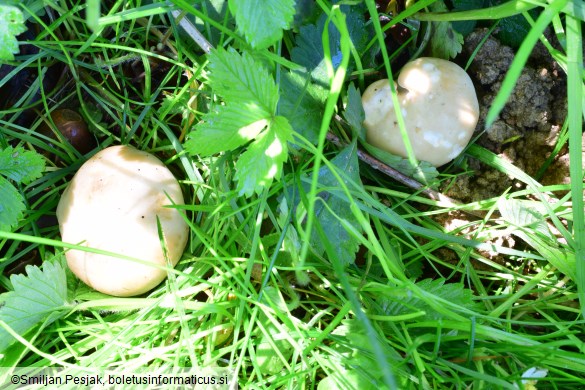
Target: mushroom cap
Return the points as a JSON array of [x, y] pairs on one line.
[[439, 106], [112, 204]]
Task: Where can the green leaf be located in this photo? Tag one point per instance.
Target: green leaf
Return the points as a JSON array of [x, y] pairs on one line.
[[335, 207], [22, 166], [513, 30], [394, 303], [302, 103], [354, 369], [354, 111], [262, 161], [92, 13], [309, 52], [446, 43], [465, 27], [525, 215], [527, 218], [241, 79], [251, 98], [11, 205], [39, 298], [262, 21], [11, 24], [226, 128]]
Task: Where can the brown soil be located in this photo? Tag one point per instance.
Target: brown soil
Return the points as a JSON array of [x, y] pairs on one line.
[[525, 134], [527, 129]]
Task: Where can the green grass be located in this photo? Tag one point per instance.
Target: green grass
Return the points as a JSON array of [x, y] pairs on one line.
[[251, 292]]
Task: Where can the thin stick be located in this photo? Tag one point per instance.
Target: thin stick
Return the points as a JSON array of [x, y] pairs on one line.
[[192, 31], [442, 200]]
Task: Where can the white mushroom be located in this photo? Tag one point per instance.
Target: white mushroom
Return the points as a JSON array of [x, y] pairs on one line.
[[112, 204], [439, 107]]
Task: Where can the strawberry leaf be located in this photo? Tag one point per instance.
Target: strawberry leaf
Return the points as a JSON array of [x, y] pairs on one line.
[[11, 207], [262, 161], [11, 24], [39, 298], [262, 22], [225, 128], [251, 98], [22, 166]]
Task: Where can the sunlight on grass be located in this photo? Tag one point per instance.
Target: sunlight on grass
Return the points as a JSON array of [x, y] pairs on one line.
[[310, 269]]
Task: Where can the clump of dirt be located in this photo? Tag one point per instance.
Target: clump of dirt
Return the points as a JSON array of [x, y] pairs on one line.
[[525, 134], [527, 129]]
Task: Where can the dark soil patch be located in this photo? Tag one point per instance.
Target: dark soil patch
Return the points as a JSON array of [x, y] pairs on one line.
[[527, 129]]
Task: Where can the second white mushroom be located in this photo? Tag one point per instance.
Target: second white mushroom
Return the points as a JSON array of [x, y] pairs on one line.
[[439, 106]]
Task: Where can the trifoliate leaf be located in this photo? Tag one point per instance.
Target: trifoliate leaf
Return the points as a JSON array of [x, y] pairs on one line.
[[262, 21], [251, 97], [11, 24], [22, 166], [11, 205], [39, 298], [446, 43], [262, 161], [302, 103], [337, 210]]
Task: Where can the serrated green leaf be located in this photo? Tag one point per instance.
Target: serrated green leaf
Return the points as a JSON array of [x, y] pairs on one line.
[[244, 81], [262, 21], [302, 103], [262, 161], [251, 97], [446, 43], [354, 111], [337, 207], [394, 304], [11, 24], [22, 166], [11, 205], [226, 128], [39, 298]]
